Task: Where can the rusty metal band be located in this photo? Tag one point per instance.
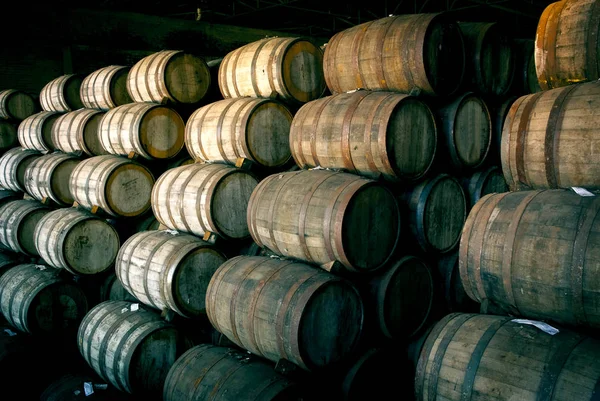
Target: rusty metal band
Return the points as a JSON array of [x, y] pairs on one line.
[[252, 206], [212, 190], [220, 129], [329, 67], [522, 136], [592, 61], [509, 121], [346, 131], [241, 279], [222, 77], [270, 218], [313, 132], [369, 122], [381, 39], [382, 133], [297, 132], [234, 70], [243, 143], [355, 50], [253, 78], [550, 43], [195, 123], [169, 190]]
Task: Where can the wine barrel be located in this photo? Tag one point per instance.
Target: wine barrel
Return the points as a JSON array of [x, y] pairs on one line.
[[466, 131], [290, 69], [175, 75], [77, 241], [567, 44], [471, 356], [8, 135], [35, 132], [79, 387], [79, 132], [222, 374], [36, 299], [129, 346], [106, 88], [16, 104], [112, 290], [17, 224], [62, 94], [255, 129], [204, 198], [483, 182], [533, 253], [418, 53], [168, 270], [526, 80], [368, 133], [13, 165], [119, 186], [453, 297], [47, 178], [549, 139], [285, 310]]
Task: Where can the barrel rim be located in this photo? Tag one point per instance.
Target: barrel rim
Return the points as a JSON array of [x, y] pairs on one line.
[[183, 53], [110, 177], [294, 40]]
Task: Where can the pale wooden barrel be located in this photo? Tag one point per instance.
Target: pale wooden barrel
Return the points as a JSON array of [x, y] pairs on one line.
[[35, 132], [17, 225], [290, 69], [129, 346], [175, 75], [79, 131], [16, 104], [567, 46], [368, 133], [280, 309], [255, 129], [168, 270], [47, 178], [13, 165], [119, 186], [77, 241], [9, 137], [204, 198], [35, 299], [418, 53], [106, 88], [549, 139], [62, 94]]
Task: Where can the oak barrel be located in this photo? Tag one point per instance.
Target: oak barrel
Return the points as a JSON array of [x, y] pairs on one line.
[[35, 132], [77, 241], [280, 309], [13, 165], [62, 94], [79, 132], [36, 299], [472, 356], [168, 270], [222, 374], [483, 182], [129, 346], [417, 53], [254, 129], [119, 186], [175, 75], [549, 139], [368, 133], [105, 88], [289, 69], [47, 178], [322, 216], [16, 105], [204, 198], [9, 137], [526, 80], [567, 46], [17, 224]]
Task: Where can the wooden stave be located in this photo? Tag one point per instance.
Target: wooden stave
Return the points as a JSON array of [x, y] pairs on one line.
[[55, 88], [9, 227], [36, 123], [9, 167], [104, 100], [5, 95], [39, 177], [69, 139]]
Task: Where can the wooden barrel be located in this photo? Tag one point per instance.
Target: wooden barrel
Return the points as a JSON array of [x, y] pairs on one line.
[[418, 53], [221, 374], [77, 241], [16, 105], [119, 186], [13, 165], [105, 88], [79, 387], [36, 299], [254, 129], [35, 132], [47, 178], [168, 270], [8, 135], [322, 216], [471, 356], [368, 133], [533, 253], [483, 182], [204, 198], [17, 224], [62, 94], [149, 130], [112, 290], [567, 44], [526, 80], [129, 346], [285, 310], [436, 210], [466, 131], [79, 132], [175, 75], [549, 139], [453, 297], [290, 69], [490, 66]]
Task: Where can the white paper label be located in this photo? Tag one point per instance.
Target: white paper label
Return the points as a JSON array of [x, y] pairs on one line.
[[172, 232], [88, 389], [540, 325], [10, 332], [135, 307], [582, 191], [124, 310]]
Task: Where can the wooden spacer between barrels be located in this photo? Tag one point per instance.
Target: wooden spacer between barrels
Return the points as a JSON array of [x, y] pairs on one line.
[[210, 237], [167, 315], [75, 204], [334, 267], [45, 200], [96, 209], [132, 155], [243, 163]]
